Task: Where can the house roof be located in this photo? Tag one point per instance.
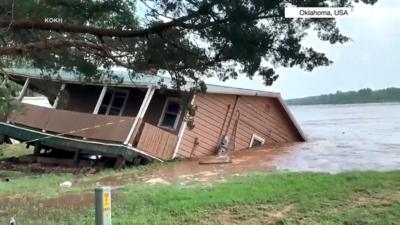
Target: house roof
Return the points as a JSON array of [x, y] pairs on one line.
[[145, 80], [141, 80]]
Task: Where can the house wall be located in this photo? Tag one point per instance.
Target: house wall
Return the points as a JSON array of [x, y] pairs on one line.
[[134, 102], [154, 112], [262, 116], [80, 98], [83, 98]]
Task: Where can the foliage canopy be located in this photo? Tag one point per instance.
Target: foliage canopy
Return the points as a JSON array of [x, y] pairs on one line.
[[187, 39]]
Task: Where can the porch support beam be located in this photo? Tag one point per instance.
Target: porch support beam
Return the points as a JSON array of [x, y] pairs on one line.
[[23, 91], [55, 104], [77, 156], [142, 111], [181, 132], [37, 148], [100, 100]]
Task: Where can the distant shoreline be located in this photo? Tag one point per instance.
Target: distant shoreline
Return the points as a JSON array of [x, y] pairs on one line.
[[350, 104], [363, 96]]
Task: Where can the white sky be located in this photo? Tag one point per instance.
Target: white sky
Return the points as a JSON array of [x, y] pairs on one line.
[[370, 60]]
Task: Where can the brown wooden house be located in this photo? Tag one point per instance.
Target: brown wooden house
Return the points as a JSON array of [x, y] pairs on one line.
[[140, 117]]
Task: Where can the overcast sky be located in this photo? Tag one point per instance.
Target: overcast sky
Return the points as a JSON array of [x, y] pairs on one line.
[[370, 60]]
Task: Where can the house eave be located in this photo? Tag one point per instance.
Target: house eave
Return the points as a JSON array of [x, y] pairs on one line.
[[291, 117], [211, 88]]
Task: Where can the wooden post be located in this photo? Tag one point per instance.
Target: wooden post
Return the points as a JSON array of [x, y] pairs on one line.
[[119, 162], [24, 89], [37, 148], [142, 111], [181, 131], [77, 156], [136, 130], [55, 104], [195, 144], [100, 100], [219, 140], [2, 138]]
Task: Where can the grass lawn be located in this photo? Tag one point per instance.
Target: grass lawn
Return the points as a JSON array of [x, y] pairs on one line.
[[9, 150], [46, 185], [294, 198], [280, 198]]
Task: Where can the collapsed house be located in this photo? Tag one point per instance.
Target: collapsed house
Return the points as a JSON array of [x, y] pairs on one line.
[[142, 118]]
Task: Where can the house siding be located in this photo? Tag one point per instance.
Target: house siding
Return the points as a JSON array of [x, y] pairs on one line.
[[263, 116], [156, 106]]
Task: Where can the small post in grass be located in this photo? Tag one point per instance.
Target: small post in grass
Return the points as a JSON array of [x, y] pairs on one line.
[[103, 205]]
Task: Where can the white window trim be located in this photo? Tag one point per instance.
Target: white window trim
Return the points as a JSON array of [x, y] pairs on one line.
[[256, 137], [112, 99], [178, 117]]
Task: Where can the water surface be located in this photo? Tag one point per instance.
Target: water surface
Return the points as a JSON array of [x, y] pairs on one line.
[[345, 137]]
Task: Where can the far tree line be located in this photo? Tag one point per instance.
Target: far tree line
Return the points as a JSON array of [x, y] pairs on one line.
[[365, 95]]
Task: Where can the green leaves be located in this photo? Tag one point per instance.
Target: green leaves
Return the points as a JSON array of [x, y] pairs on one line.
[[7, 103], [187, 39], [110, 14]]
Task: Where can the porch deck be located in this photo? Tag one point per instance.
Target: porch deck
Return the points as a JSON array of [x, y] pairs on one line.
[[89, 133]]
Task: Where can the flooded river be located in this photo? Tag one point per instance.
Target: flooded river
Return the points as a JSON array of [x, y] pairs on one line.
[[345, 137], [340, 138]]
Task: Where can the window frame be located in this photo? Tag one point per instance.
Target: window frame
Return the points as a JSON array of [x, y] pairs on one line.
[[178, 116], [258, 138], [114, 91]]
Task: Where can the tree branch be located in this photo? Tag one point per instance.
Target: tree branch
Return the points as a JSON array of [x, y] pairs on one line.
[[45, 45], [103, 32]]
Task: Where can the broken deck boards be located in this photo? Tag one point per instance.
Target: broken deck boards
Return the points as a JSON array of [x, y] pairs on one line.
[[69, 144]]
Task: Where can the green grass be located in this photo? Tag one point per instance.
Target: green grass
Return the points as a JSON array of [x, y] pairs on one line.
[[46, 185], [9, 150], [280, 198]]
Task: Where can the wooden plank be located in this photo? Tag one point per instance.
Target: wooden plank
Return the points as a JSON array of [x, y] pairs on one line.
[[110, 150], [209, 121], [277, 114], [255, 112], [272, 124], [157, 142], [86, 125]]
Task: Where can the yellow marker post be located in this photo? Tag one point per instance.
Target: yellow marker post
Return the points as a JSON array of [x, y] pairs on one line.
[[103, 205]]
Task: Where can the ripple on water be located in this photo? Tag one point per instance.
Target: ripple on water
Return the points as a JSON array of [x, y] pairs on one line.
[[350, 137]]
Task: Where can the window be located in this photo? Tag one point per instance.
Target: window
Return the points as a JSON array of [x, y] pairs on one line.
[[114, 102], [171, 113], [256, 141]]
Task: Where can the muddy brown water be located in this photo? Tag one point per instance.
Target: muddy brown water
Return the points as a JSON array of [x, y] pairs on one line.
[[189, 172], [345, 138]]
